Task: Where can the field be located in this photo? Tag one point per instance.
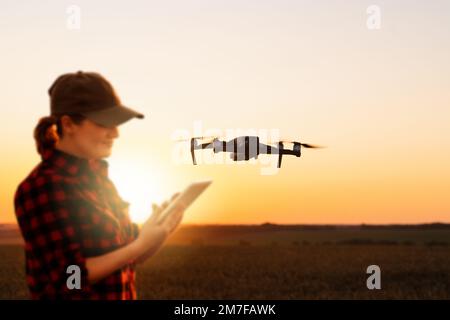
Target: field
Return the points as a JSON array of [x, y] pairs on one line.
[[272, 262]]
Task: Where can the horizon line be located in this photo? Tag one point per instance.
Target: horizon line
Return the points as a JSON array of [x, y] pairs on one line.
[[293, 224]]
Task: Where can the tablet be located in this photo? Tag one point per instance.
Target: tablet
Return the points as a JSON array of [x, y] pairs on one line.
[[185, 198]]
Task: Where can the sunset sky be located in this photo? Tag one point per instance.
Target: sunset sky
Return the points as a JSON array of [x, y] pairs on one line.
[[379, 100]]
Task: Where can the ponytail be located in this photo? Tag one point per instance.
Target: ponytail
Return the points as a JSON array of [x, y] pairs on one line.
[[49, 130], [46, 133]]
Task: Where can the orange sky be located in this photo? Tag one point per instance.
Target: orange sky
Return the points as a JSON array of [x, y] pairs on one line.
[[378, 99]]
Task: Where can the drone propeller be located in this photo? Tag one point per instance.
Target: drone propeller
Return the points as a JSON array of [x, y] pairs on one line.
[[304, 145], [202, 138]]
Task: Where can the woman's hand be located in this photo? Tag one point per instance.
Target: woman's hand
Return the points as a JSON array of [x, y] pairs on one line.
[[148, 242], [153, 234]]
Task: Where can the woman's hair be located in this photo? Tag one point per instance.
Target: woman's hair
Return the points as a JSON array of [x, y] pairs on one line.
[[49, 130]]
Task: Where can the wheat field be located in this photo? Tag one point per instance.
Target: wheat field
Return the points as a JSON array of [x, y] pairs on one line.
[[295, 270]]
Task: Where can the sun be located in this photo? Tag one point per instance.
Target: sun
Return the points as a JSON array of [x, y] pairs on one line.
[[138, 185]]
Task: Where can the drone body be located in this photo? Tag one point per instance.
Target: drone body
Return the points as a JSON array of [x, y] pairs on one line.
[[244, 148]]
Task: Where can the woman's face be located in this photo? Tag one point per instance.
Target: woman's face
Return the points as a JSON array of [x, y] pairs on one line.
[[90, 140]]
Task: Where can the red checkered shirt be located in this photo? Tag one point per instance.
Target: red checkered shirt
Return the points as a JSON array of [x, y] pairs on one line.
[[68, 210]]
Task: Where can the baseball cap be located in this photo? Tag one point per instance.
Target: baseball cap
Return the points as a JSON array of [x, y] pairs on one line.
[[90, 95]]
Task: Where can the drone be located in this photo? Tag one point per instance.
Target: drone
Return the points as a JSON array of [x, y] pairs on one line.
[[244, 148]]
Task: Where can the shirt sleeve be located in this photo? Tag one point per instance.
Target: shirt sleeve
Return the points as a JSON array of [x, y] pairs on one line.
[[124, 207], [47, 218]]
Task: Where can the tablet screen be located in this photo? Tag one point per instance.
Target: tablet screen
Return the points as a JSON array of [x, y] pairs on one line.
[[186, 198]]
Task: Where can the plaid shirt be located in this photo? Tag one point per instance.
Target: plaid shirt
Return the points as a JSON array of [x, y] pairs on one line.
[[69, 210]]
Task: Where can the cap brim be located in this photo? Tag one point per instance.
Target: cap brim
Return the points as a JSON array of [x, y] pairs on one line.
[[112, 116]]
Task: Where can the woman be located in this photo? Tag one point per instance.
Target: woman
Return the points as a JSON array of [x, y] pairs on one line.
[[69, 211]]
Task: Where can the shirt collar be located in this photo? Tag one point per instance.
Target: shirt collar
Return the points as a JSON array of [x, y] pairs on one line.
[[74, 165]]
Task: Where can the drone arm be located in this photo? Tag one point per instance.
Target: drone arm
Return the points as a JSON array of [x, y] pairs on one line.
[[193, 151], [206, 146], [266, 149], [280, 153]]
